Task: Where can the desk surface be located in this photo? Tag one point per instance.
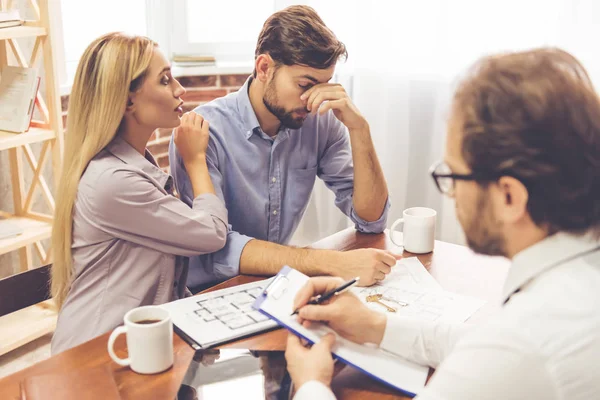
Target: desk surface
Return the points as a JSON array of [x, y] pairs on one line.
[[456, 268]]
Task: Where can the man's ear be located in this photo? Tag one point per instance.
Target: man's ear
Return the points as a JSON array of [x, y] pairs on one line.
[[263, 64], [512, 198]]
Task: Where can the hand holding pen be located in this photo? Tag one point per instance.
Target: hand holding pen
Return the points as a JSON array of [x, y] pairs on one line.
[[344, 313], [321, 298]]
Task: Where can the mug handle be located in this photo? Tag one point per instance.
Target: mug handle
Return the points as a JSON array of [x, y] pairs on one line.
[[393, 229], [111, 344]]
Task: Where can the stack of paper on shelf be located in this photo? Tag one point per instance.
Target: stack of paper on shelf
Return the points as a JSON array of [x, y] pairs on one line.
[[10, 18], [193, 60]]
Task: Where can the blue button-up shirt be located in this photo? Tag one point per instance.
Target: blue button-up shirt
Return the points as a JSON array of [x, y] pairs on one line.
[[266, 182]]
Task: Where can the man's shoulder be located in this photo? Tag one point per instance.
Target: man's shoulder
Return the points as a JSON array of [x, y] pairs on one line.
[[222, 115], [225, 106], [550, 312], [572, 285]]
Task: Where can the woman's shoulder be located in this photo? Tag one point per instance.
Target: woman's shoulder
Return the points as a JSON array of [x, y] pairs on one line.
[[108, 175]]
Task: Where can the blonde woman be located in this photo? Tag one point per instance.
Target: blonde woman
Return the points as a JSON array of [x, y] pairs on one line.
[[119, 233]]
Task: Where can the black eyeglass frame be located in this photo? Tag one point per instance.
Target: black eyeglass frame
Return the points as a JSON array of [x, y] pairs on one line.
[[474, 176]]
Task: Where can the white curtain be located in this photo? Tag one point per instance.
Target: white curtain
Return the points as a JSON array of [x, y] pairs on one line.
[[404, 60]]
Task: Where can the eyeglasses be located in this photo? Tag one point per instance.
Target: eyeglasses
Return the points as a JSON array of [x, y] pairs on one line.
[[445, 180]]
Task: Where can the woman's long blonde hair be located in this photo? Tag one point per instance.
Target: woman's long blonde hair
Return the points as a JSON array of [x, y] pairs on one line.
[[111, 67]]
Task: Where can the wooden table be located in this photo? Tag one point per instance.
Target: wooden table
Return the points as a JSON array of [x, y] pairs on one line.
[[455, 267]]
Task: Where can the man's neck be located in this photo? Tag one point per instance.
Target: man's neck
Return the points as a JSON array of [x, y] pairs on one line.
[[268, 122], [522, 238]]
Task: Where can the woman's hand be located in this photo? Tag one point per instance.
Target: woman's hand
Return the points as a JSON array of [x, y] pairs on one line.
[[191, 138]]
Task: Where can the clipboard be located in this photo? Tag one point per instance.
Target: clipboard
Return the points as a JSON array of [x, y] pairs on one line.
[[276, 302]]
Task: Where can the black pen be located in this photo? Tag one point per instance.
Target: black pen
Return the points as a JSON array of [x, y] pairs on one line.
[[326, 296]]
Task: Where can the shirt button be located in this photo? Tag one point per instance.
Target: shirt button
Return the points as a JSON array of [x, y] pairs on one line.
[[273, 179], [274, 212]]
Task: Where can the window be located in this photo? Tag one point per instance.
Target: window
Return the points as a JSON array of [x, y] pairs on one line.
[[228, 29], [84, 21], [225, 29]]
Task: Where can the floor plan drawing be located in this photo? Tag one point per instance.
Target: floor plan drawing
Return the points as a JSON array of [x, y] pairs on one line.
[[409, 290]]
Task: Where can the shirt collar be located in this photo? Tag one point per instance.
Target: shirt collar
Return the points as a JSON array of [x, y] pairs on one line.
[[544, 255], [247, 114], [126, 153]]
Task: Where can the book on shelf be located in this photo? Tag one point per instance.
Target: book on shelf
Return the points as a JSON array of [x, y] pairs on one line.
[[10, 18], [18, 90], [188, 60]]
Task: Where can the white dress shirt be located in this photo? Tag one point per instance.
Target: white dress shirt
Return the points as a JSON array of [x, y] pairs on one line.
[[543, 344]]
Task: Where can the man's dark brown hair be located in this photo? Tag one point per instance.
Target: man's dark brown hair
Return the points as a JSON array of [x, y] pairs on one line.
[[535, 116], [297, 35]]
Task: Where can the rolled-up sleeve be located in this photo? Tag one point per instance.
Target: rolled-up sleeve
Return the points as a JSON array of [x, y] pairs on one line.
[[336, 169], [128, 206], [226, 261], [377, 226]]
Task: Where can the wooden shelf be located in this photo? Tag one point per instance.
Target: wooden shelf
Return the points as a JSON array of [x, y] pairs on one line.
[[21, 31], [9, 140], [26, 325], [34, 231]]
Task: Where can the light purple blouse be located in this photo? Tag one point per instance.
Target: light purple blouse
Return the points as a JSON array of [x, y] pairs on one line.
[[131, 240]]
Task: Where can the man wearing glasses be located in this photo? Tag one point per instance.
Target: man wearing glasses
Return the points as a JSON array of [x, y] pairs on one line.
[[523, 164]]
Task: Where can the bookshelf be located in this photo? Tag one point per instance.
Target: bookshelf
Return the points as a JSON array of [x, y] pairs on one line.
[[23, 31], [47, 131], [9, 140]]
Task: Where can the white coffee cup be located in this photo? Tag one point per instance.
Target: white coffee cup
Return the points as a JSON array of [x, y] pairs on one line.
[[419, 230], [149, 331]]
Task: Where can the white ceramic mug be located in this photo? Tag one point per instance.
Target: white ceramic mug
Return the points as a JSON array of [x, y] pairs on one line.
[[149, 331], [419, 230]]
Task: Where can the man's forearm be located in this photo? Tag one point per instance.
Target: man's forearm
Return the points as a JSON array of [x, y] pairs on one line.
[[422, 341], [265, 258], [370, 188]]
